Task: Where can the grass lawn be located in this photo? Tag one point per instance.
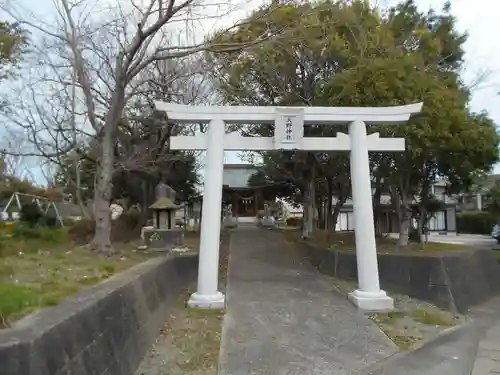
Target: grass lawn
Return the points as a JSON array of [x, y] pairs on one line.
[[345, 241], [39, 269]]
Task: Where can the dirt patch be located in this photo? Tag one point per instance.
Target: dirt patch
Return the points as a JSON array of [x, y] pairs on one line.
[[413, 322], [189, 341]]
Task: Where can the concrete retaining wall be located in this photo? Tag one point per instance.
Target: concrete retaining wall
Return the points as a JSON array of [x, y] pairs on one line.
[[105, 330], [453, 281]]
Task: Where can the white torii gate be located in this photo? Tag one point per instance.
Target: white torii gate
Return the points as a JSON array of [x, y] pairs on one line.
[[288, 135]]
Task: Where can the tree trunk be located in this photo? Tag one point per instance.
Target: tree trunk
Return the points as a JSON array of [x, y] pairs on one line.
[[377, 195], [308, 227], [76, 157], [404, 231], [420, 226], [336, 213], [334, 218], [321, 217], [422, 209], [401, 208], [329, 206], [102, 197], [78, 190], [144, 215], [104, 184]]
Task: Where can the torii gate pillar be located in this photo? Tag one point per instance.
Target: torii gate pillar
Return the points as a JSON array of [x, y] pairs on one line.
[[208, 295], [289, 128], [368, 296]]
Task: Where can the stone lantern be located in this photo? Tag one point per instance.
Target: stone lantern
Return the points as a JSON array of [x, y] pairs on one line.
[[163, 235], [164, 213]]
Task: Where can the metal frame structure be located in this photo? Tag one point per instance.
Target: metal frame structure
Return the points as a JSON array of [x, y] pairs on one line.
[[35, 199]]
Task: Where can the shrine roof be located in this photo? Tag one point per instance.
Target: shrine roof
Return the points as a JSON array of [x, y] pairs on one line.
[[237, 175]]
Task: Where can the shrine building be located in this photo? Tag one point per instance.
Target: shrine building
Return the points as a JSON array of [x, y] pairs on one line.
[[246, 200]]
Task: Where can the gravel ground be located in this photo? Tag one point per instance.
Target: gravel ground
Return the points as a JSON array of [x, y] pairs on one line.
[[413, 321], [188, 344], [189, 341]]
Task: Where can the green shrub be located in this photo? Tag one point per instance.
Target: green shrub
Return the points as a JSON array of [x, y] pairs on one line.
[[53, 235], [31, 214], [82, 231], [475, 222], [38, 235], [126, 228], [24, 230], [50, 219]]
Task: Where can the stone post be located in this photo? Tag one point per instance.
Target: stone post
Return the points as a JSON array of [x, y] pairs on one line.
[[368, 296]]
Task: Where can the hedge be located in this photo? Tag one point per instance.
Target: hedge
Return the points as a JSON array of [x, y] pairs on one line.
[[475, 222]]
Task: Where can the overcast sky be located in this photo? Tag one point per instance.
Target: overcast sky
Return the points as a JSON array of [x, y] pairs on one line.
[[478, 17]]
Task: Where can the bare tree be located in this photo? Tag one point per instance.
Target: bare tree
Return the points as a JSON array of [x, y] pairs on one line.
[[108, 50]]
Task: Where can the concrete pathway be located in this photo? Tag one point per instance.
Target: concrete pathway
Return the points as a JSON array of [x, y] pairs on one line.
[[488, 353], [471, 350], [284, 317], [488, 349], [451, 354]]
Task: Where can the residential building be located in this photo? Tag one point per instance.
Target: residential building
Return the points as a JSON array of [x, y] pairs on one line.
[[441, 221], [478, 198]]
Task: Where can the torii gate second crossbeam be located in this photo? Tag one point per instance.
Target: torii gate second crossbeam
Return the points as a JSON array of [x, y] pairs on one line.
[[288, 135]]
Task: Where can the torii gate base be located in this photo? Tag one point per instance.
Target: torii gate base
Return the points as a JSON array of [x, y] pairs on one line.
[[288, 135]]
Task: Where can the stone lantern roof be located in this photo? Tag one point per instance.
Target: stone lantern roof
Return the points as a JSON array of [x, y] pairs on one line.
[[164, 204]]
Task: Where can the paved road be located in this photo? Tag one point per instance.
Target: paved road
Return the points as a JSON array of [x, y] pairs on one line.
[[452, 354], [284, 317], [465, 239], [471, 350], [473, 240], [488, 352]]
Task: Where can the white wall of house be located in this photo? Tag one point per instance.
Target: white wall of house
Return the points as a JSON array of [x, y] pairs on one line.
[[345, 222], [441, 221]]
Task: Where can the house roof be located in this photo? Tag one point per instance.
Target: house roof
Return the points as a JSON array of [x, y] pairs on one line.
[[239, 166]]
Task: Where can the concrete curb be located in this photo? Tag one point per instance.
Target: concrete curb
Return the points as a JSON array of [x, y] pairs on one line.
[[375, 368], [106, 328], [225, 318]]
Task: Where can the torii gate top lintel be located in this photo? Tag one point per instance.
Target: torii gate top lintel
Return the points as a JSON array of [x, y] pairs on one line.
[[267, 114]]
